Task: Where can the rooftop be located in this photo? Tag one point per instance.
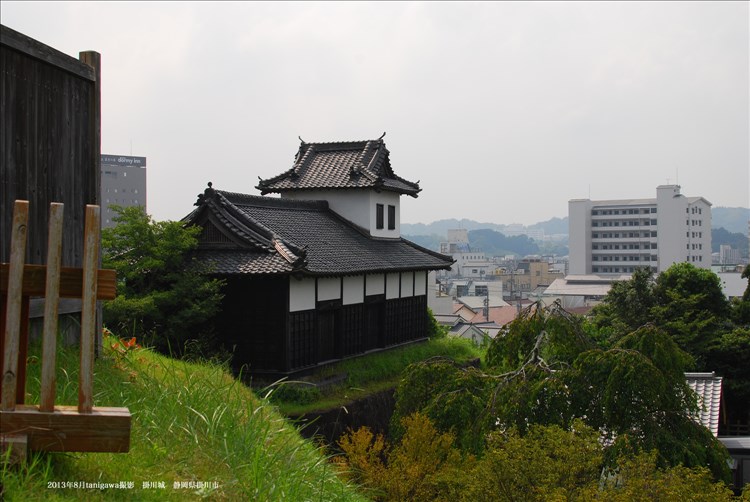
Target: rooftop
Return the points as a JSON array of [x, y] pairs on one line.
[[247, 234], [340, 165]]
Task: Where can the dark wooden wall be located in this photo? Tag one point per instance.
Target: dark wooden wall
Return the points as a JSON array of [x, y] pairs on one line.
[[50, 107]]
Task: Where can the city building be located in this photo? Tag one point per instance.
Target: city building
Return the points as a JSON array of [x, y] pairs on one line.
[[123, 183], [469, 263], [618, 236]]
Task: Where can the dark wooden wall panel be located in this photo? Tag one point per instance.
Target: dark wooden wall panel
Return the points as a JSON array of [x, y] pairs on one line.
[[49, 140]]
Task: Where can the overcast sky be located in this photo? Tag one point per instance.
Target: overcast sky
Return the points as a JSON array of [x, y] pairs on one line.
[[502, 111]]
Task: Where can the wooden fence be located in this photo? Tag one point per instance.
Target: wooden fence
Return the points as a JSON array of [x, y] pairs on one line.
[[46, 426]]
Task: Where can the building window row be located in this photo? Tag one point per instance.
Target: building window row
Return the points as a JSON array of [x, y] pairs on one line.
[[694, 235], [630, 223], [625, 235], [644, 245], [616, 270], [604, 212], [624, 258], [695, 246], [694, 210], [695, 223]]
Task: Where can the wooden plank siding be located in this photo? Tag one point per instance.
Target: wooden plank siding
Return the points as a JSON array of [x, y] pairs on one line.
[[267, 339], [49, 141]]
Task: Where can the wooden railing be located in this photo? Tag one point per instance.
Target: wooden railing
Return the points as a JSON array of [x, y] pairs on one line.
[[47, 426]]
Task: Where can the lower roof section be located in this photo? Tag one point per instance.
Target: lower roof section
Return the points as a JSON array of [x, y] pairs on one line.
[[246, 234]]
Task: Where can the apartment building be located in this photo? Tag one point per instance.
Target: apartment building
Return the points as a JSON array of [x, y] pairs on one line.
[[618, 236], [123, 183]]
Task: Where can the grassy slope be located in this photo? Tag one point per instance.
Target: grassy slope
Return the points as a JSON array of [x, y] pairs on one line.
[[191, 422], [371, 373]]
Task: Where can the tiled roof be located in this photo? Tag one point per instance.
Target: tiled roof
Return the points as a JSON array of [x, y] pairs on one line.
[[246, 234], [708, 388], [341, 165]]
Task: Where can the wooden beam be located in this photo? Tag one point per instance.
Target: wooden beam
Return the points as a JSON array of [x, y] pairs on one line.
[[49, 332], [103, 430], [71, 281], [13, 304], [88, 309]]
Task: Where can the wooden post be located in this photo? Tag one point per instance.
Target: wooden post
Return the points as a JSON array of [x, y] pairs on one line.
[[93, 159], [88, 312], [13, 304], [52, 295]]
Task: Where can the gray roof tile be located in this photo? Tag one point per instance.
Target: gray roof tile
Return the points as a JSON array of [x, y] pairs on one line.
[[264, 235], [340, 165]]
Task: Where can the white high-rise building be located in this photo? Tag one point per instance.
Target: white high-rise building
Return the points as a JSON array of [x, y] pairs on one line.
[[618, 236]]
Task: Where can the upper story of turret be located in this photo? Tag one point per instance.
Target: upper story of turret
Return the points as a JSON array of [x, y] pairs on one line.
[[356, 179]]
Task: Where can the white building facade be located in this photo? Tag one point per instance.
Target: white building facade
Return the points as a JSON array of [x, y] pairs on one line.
[[618, 236]]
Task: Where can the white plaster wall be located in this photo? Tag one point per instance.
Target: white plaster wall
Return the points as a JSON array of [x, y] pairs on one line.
[[354, 289], [392, 286], [375, 284], [357, 206], [420, 283], [329, 288], [407, 284], [301, 294]]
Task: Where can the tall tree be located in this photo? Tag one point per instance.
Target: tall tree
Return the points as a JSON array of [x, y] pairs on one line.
[[545, 370], [164, 296], [692, 308]]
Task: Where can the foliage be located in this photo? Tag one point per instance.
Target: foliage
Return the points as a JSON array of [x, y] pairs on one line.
[[545, 370], [691, 307], [639, 478], [628, 305], [190, 422], [453, 397], [435, 330], [547, 463], [423, 465], [164, 296], [563, 336], [729, 357]]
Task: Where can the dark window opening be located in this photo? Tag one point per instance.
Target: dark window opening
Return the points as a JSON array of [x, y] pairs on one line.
[[379, 216], [391, 217]]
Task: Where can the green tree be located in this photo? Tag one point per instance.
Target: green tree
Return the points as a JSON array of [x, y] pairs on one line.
[[692, 308], [627, 306], [453, 397], [547, 463], [422, 465], [164, 296], [544, 370]]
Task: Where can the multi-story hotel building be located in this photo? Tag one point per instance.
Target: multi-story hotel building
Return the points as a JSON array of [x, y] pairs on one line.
[[123, 184], [618, 236]]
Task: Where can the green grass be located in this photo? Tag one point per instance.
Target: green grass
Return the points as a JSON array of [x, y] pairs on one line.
[[191, 423], [367, 374]]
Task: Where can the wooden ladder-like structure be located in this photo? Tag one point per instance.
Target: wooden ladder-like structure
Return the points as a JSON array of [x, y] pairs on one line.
[[48, 427]]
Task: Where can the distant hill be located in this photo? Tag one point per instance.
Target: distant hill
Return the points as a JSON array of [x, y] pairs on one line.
[[440, 228], [494, 243], [721, 236], [733, 219]]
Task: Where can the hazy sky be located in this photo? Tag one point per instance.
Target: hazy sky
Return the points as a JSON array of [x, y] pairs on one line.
[[502, 111]]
